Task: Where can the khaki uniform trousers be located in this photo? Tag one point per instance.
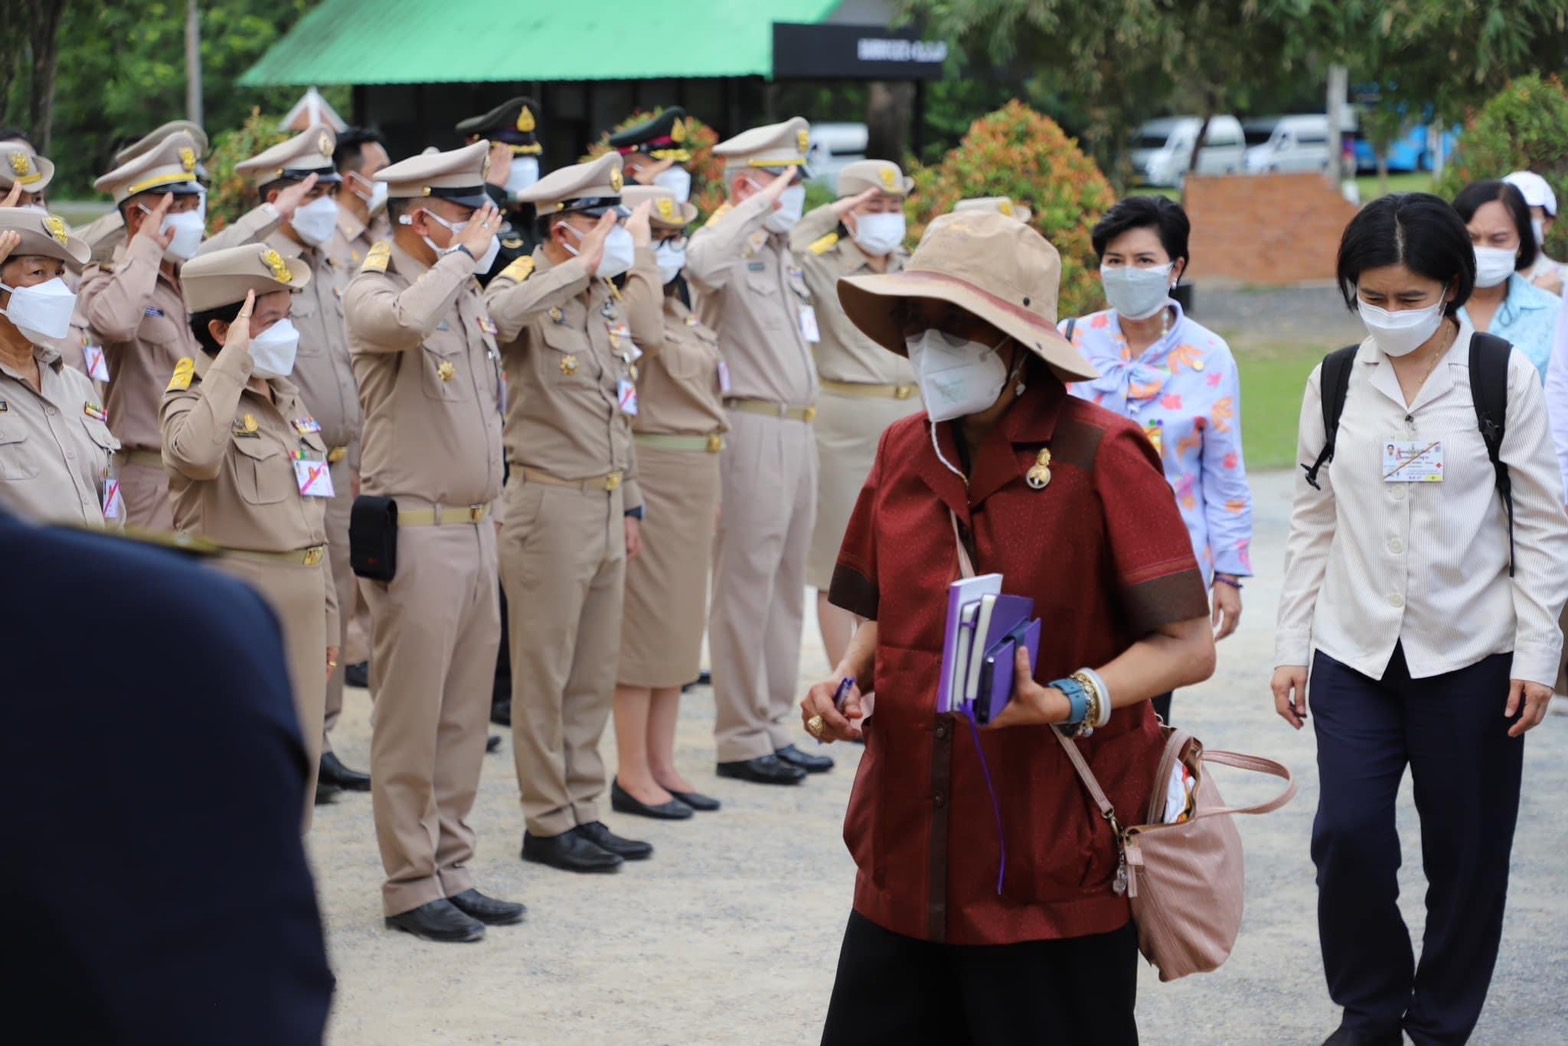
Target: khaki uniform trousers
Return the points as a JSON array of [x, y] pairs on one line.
[[768, 508], [298, 596], [563, 565], [338, 511], [146, 493], [435, 629]]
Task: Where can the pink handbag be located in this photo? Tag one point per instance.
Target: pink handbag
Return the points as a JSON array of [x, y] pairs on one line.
[[1186, 880]]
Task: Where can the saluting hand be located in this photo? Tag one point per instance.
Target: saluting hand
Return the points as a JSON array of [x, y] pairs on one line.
[[289, 199], [482, 226], [640, 224], [849, 203], [9, 241], [774, 190], [12, 197], [1032, 704], [500, 170], [239, 330], [593, 244], [152, 223]]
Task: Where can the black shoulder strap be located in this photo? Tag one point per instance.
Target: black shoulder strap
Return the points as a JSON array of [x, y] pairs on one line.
[[1489, 391], [1334, 384]]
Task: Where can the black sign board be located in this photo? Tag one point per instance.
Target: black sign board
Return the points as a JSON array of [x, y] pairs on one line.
[[854, 52]]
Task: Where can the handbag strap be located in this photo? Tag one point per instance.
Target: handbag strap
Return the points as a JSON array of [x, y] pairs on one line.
[[1087, 777], [966, 567], [1257, 764]]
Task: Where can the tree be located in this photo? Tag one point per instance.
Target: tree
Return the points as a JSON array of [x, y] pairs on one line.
[[30, 40]]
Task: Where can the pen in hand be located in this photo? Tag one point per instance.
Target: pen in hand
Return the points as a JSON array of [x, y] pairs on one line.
[[840, 696]]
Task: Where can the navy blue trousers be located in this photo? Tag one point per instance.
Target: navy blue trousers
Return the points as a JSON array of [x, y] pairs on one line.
[[1450, 730]]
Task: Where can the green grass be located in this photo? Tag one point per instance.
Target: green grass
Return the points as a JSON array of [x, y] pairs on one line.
[[1273, 378], [1418, 181]]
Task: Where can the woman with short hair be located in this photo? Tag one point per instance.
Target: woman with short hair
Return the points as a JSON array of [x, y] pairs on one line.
[[1429, 621], [1504, 303]]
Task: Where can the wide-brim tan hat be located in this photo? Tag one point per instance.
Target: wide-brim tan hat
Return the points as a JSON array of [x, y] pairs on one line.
[[45, 235], [667, 212], [224, 277], [991, 266]]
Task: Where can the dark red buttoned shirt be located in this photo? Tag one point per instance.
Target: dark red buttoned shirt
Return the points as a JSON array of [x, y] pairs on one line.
[[1103, 551]]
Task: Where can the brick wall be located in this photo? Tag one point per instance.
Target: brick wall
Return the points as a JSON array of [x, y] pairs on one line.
[[1267, 229]]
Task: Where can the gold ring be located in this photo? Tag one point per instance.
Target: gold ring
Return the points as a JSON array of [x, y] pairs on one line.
[[814, 726]]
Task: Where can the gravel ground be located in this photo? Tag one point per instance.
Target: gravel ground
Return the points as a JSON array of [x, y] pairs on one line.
[[1248, 316], [730, 933]]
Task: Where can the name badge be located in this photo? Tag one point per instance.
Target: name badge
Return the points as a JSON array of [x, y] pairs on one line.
[[808, 324], [97, 365], [314, 478], [724, 378], [113, 502], [626, 392], [1413, 461]]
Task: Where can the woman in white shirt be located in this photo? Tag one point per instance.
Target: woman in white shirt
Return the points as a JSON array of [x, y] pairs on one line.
[[1428, 647]]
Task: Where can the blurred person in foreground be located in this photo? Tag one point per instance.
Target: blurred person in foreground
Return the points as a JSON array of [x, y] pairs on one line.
[[1504, 302], [1538, 194], [949, 940]]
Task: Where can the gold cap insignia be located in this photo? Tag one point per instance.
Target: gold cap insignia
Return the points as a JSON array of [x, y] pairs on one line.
[[803, 140], [279, 267], [324, 143], [678, 132], [21, 164], [888, 178], [616, 181], [525, 120], [56, 226], [666, 208], [188, 159], [1006, 207]]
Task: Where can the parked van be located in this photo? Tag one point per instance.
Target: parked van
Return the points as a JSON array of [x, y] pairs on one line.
[[835, 146], [1294, 144], [1162, 149]]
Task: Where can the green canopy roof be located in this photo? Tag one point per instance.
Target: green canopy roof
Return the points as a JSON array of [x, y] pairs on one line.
[[480, 41]]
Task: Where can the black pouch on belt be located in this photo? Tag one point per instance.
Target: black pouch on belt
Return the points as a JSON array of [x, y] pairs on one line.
[[372, 538]]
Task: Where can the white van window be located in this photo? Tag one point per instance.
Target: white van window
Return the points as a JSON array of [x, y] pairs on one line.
[[1150, 141]]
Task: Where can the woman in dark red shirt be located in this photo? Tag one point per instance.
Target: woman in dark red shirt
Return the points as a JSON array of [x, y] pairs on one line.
[[949, 941]]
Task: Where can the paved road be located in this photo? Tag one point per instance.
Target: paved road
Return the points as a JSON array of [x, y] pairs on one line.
[[730, 933]]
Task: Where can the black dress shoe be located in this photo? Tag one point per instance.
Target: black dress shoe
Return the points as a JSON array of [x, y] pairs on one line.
[[358, 674], [501, 713], [1344, 1036], [569, 852], [334, 772], [488, 910], [440, 920], [696, 800], [600, 835], [623, 802], [494, 743], [767, 769], [812, 764], [326, 792]]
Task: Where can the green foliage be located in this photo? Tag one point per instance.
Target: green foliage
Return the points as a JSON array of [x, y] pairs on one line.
[[1018, 153], [1524, 127], [233, 194]]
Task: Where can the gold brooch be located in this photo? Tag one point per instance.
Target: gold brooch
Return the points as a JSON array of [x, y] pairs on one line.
[[568, 365], [446, 371], [1039, 476]]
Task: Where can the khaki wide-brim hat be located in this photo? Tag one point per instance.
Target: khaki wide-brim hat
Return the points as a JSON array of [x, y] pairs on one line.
[[991, 266], [44, 235], [667, 212]]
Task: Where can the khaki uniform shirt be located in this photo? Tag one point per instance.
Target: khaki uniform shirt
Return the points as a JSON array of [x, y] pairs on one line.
[[424, 356], [753, 294], [230, 455], [103, 235], [354, 239], [322, 369], [681, 384], [136, 312], [570, 345], [254, 225], [844, 353], [54, 444]]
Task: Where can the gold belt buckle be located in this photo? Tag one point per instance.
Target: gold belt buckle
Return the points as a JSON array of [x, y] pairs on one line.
[[314, 556], [903, 392], [336, 454], [808, 415], [612, 482], [476, 513], [715, 443]]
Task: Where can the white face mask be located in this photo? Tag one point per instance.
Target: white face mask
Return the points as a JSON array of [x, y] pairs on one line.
[[677, 180], [525, 171], [481, 265], [672, 260], [190, 227], [880, 234], [41, 312], [376, 200], [957, 377], [791, 206], [1539, 228], [316, 221], [620, 251], [1400, 333], [1493, 265], [274, 349], [1136, 293]]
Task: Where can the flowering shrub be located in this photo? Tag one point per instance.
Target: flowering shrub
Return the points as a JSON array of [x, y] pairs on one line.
[[233, 194], [1018, 153], [707, 170]]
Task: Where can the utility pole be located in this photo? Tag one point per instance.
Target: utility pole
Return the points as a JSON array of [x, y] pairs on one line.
[[193, 100], [1338, 88]]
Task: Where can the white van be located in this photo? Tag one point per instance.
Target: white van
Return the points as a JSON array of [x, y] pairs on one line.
[[1162, 149], [835, 146], [1294, 144]]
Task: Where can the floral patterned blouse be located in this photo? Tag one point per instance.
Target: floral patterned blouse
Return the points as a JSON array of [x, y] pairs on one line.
[[1184, 391]]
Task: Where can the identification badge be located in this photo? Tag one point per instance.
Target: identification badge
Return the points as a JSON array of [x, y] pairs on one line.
[[113, 503], [305, 426], [1413, 461], [314, 478], [724, 378], [808, 324], [627, 394], [97, 366]]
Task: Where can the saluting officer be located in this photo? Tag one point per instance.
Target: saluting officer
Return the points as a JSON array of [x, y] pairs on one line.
[[135, 310], [865, 388], [754, 295], [23, 170], [55, 444], [359, 156], [107, 233], [322, 371], [247, 464], [654, 152], [425, 359], [569, 342], [514, 166], [301, 196]]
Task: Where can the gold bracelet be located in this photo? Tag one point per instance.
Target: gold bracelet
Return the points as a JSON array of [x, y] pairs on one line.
[[1095, 697]]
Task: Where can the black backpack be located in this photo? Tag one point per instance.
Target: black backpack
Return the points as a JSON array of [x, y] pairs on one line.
[[1488, 391]]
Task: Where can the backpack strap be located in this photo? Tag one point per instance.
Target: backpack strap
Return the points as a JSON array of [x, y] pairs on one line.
[[1489, 391], [1334, 385]]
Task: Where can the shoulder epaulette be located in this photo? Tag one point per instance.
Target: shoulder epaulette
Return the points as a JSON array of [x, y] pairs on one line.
[[519, 270], [827, 243], [184, 373], [377, 258], [718, 215]]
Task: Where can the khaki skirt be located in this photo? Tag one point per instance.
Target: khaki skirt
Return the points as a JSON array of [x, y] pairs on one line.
[[667, 586]]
